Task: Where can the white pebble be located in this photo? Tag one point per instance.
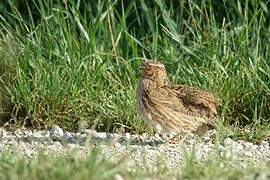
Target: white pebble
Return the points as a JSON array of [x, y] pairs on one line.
[[102, 135], [127, 136], [56, 132], [117, 145], [67, 136], [91, 132], [229, 142]]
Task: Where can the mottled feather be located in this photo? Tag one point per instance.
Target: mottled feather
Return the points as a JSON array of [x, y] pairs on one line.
[[172, 109]]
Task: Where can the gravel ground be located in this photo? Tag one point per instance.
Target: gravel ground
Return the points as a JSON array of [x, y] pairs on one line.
[[138, 149]]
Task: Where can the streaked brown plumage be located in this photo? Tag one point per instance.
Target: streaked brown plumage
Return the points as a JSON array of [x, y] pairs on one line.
[[172, 109]]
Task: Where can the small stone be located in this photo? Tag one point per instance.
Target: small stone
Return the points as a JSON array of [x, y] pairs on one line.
[[3, 133], [135, 138], [229, 142], [1, 147], [212, 132], [248, 153], [118, 177], [80, 136], [232, 147], [220, 148], [46, 134], [247, 144], [127, 136], [145, 136], [117, 145], [102, 135], [264, 144], [67, 136], [72, 140], [239, 147], [165, 136], [12, 142], [157, 136], [57, 143], [17, 135], [56, 132], [91, 132], [207, 138], [110, 135], [37, 135], [73, 146], [254, 147]]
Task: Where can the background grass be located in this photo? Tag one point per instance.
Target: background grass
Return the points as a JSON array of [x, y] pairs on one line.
[[62, 62]]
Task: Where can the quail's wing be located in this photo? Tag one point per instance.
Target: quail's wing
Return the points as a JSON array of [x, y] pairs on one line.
[[164, 98], [197, 101], [170, 111]]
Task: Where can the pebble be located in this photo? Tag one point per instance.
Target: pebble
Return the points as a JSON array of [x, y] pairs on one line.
[[127, 136], [102, 135], [91, 132], [3, 133], [229, 142], [247, 144], [117, 145], [264, 144], [37, 135], [118, 177], [56, 132], [157, 137], [140, 147], [67, 136]]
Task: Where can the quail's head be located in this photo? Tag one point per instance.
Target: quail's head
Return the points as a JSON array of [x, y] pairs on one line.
[[155, 71]]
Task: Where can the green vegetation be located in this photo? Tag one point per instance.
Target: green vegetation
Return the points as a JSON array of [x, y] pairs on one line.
[[95, 167], [223, 168], [63, 62], [61, 167]]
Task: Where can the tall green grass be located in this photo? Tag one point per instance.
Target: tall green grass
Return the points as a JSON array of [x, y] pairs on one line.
[[81, 60]]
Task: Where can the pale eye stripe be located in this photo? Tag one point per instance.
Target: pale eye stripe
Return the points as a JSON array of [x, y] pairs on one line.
[[157, 65]]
